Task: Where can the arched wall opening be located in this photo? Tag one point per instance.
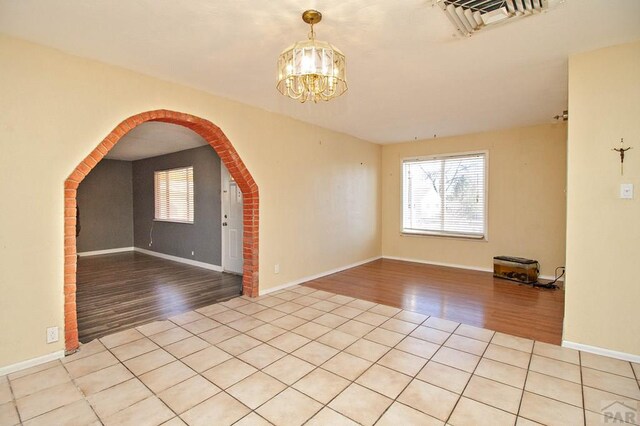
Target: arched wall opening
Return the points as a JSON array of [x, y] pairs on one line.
[[229, 157]]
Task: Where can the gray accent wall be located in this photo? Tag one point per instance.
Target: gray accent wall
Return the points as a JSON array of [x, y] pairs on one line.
[[203, 237], [105, 201]]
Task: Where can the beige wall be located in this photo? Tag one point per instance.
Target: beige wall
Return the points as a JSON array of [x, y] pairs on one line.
[[526, 194], [603, 231], [55, 108]]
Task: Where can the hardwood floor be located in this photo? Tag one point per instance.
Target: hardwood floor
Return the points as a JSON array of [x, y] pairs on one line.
[[119, 291], [469, 297]]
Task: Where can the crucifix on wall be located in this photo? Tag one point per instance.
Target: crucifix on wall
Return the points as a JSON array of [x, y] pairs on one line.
[[622, 150]]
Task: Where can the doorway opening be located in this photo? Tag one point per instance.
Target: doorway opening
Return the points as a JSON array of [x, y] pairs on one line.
[[238, 173]]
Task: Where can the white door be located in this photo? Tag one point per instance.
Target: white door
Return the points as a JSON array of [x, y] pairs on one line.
[[231, 224]]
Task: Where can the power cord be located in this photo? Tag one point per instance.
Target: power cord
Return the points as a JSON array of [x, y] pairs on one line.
[[552, 284], [151, 234]]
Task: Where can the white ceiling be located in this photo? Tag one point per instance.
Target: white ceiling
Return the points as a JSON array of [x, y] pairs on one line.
[[152, 139], [410, 75]]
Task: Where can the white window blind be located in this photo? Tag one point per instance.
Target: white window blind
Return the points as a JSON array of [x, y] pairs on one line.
[[174, 195], [445, 195]]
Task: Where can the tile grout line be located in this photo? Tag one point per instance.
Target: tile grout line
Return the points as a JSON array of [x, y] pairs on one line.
[[287, 386], [14, 400], [635, 375], [393, 400], [472, 373], [224, 390], [71, 380], [351, 382], [137, 378], [526, 377], [584, 408], [266, 366], [414, 377]]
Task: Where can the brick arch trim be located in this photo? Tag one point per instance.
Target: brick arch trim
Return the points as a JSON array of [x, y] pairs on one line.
[[229, 156]]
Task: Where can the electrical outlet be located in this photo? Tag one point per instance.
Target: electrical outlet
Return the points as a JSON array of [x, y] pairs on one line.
[[276, 268], [193, 253], [52, 334]]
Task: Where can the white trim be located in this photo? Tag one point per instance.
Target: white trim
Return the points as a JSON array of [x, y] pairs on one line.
[[448, 265], [223, 241], [551, 278], [107, 251], [316, 276], [455, 265], [204, 265], [31, 362], [601, 351]]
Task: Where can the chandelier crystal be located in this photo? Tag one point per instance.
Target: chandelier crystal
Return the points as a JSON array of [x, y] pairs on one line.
[[312, 69]]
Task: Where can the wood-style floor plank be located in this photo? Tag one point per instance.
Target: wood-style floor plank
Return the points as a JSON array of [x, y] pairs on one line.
[[123, 290], [470, 297]]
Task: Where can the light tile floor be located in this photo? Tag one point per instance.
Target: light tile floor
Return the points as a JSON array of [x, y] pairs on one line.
[[302, 356]]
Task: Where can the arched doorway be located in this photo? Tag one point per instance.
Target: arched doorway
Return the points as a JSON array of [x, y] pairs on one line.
[[228, 155]]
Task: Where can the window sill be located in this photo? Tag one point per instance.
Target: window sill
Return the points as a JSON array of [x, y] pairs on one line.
[[443, 235], [186, 222]]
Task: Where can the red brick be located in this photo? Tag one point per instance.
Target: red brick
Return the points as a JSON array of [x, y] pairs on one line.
[[90, 161], [102, 148], [96, 155], [134, 121], [125, 126], [84, 169], [118, 132]]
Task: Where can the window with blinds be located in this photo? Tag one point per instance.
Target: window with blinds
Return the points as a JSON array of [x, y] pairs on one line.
[[445, 195], [174, 195]]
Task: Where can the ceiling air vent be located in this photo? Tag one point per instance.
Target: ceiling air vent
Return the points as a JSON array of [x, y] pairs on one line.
[[469, 16]]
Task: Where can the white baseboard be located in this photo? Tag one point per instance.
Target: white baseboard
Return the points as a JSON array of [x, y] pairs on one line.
[[204, 265], [316, 276], [31, 362], [455, 265], [601, 351], [448, 265], [107, 251]]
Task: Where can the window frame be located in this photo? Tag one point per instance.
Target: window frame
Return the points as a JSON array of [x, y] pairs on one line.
[[442, 234], [188, 222]]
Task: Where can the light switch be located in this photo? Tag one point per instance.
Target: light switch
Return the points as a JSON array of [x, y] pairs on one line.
[[626, 191]]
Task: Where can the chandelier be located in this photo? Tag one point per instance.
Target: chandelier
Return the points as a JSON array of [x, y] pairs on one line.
[[312, 69]]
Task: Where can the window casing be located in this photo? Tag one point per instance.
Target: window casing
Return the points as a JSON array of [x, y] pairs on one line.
[[174, 195], [445, 195]]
